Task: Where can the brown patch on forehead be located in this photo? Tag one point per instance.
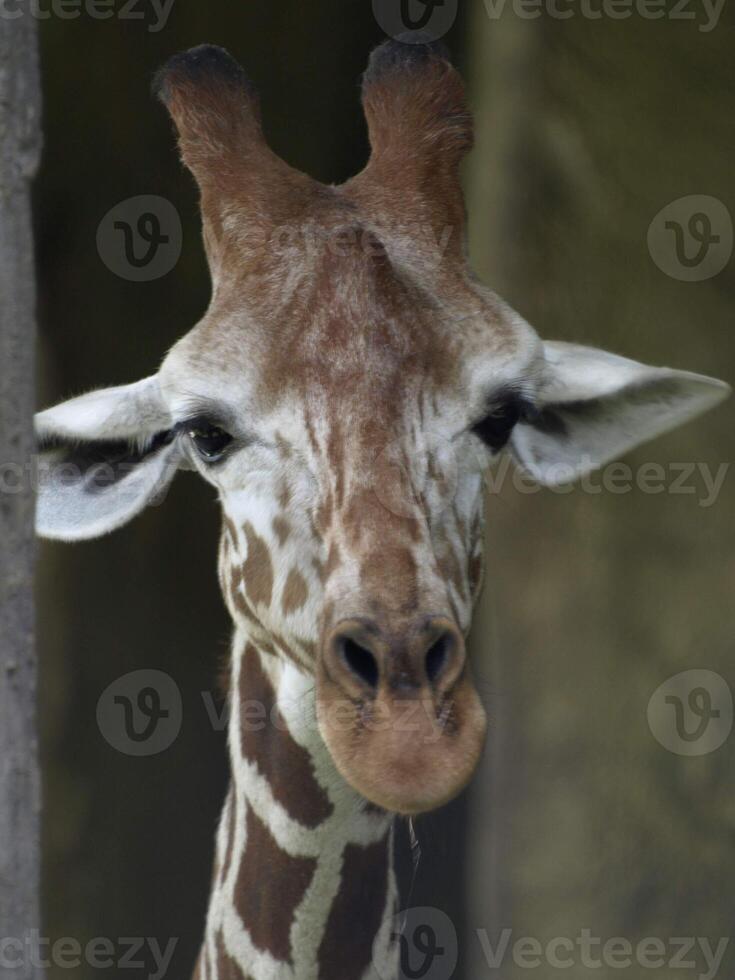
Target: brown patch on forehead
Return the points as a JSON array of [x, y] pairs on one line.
[[257, 570], [267, 913], [272, 749], [295, 592], [350, 336], [357, 912], [281, 529]]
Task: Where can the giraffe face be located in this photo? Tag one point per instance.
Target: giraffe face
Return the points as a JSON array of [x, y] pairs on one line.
[[351, 486], [343, 393]]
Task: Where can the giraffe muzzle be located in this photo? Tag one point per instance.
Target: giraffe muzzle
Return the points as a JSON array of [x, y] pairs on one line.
[[399, 712]]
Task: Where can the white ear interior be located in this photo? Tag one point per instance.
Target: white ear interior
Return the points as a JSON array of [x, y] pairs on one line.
[[80, 499], [595, 406], [105, 456]]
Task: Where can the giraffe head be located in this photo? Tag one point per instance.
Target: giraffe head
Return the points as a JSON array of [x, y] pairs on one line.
[[344, 392]]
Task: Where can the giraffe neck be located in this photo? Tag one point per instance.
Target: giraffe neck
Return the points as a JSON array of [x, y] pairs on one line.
[[303, 887]]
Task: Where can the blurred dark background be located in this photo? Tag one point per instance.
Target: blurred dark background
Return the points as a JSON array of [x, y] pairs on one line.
[[586, 129]]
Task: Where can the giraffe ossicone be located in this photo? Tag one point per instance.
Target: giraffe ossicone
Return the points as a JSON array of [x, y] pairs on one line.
[[346, 388]]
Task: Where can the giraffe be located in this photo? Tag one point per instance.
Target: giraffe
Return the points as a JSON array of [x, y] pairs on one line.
[[348, 386]]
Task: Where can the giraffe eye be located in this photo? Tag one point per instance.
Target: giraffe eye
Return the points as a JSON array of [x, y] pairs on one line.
[[210, 441], [496, 427]]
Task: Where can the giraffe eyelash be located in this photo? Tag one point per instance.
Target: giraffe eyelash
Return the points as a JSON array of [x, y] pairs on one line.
[[200, 421]]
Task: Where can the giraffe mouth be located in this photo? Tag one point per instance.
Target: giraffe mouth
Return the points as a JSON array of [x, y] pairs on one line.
[[408, 751]]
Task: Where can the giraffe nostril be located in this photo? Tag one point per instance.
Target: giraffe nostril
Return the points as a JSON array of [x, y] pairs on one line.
[[436, 659], [361, 662], [363, 657]]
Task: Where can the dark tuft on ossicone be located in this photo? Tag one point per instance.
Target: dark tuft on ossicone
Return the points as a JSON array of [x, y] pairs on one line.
[[407, 52], [204, 64]]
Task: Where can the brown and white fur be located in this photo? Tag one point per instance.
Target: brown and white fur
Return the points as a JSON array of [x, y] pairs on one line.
[[344, 392]]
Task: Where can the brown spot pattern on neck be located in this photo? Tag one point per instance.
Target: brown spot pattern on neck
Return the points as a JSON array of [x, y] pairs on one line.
[[267, 912], [357, 912], [269, 745]]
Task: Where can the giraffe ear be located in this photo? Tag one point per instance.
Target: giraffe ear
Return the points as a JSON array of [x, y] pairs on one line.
[[595, 406], [103, 457]]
